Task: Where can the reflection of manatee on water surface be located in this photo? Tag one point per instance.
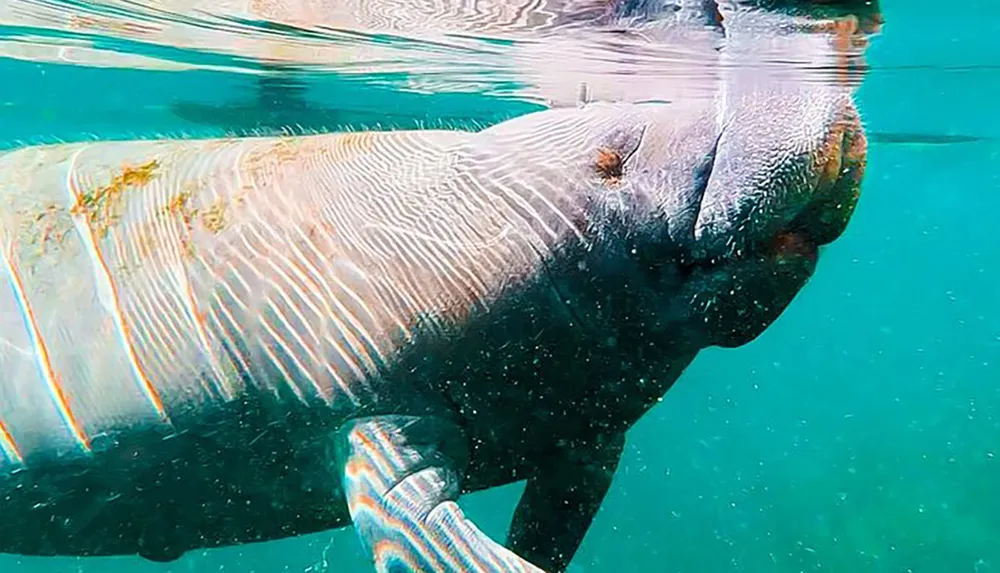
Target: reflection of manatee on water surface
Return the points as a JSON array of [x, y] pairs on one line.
[[621, 50], [210, 342], [280, 101]]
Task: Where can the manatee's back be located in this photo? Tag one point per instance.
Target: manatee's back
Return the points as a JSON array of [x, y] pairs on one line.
[[113, 362], [103, 297], [184, 320], [162, 304]]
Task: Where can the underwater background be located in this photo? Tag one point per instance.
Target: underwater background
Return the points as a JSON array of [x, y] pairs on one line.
[[860, 433]]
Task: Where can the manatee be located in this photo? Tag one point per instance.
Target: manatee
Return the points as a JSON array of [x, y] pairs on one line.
[[210, 342]]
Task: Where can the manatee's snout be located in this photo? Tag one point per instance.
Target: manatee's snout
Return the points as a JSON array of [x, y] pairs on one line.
[[838, 165], [783, 179], [791, 149], [787, 189], [766, 210]]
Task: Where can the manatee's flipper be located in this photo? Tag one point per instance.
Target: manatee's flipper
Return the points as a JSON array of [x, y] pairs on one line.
[[560, 502], [402, 477]]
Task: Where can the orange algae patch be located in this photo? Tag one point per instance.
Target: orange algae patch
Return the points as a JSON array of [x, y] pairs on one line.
[[103, 206], [180, 208], [213, 218]]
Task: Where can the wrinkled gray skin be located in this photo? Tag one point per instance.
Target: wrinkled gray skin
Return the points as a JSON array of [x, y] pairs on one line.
[[516, 282]]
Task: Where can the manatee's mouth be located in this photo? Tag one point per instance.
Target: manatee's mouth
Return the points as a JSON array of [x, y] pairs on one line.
[[740, 275]]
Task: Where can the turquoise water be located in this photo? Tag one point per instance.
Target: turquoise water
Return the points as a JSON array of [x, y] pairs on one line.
[[860, 433]]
